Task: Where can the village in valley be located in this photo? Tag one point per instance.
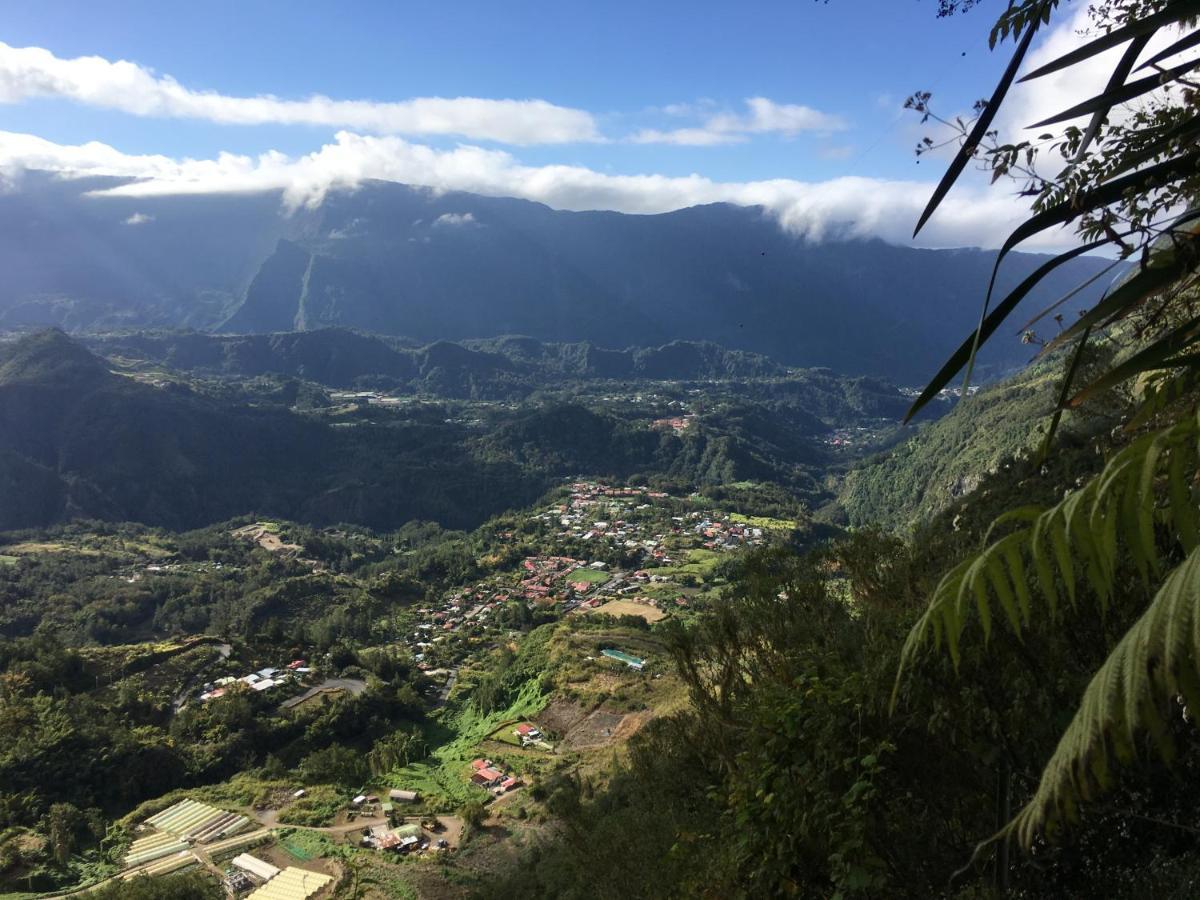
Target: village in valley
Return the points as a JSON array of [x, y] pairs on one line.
[[564, 616], [646, 557]]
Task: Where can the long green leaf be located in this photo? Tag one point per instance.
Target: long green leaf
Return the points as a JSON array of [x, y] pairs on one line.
[[981, 124], [1003, 309], [1098, 198], [1165, 267], [1119, 73], [1184, 43], [1071, 293], [1123, 94], [1161, 354], [1157, 659], [1175, 12], [1064, 392]]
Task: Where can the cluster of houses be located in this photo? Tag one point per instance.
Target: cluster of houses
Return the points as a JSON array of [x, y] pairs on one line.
[[616, 516], [632, 519], [465, 611], [845, 438], [489, 775], [262, 680], [623, 524], [723, 534], [367, 398], [134, 574], [676, 424], [548, 577]]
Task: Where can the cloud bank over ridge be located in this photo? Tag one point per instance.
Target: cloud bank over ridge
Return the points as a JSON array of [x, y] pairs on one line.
[[841, 207]]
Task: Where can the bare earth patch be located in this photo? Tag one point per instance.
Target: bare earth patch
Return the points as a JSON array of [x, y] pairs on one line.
[[266, 538], [629, 608], [584, 729]]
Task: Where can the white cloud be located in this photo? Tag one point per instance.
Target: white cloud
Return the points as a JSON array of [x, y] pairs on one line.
[[32, 72], [1051, 94], [454, 220], [843, 207], [687, 137], [139, 219], [785, 118], [763, 116]]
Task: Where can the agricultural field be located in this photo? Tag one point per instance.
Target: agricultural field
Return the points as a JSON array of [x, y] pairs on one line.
[[697, 563], [629, 608], [765, 522], [592, 576]]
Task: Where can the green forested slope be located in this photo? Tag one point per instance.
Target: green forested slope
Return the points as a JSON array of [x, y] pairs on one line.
[[942, 461], [78, 440]]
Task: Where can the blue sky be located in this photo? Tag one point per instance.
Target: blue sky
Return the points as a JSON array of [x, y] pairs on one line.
[[693, 101], [620, 61]]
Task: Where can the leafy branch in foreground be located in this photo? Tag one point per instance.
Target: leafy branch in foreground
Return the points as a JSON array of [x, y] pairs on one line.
[[1130, 182], [1125, 178], [1081, 538], [1156, 661]]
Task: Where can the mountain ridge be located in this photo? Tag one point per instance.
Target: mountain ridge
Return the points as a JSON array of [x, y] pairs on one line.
[[402, 260], [343, 358], [80, 440]]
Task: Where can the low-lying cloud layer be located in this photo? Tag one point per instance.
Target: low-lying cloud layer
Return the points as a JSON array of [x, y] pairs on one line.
[[842, 207], [32, 72], [367, 146]]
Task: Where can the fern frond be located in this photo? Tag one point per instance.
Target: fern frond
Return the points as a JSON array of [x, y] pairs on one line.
[[1082, 535], [1157, 660], [1160, 390]]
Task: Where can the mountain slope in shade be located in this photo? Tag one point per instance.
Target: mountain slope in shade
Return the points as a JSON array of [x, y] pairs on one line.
[[78, 440], [341, 358], [398, 260]]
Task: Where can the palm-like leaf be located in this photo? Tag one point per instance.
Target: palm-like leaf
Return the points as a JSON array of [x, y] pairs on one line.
[[1165, 157], [1157, 660], [984, 121], [1174, 12], [1077, 539], [1142, 506], [1120, 93], [1080, 539], [990, 323]]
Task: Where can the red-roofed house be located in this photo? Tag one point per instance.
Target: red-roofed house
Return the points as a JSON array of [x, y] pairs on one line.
[[487, 776]]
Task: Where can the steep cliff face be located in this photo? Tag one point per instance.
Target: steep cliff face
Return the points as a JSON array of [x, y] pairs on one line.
[[399, 260]]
